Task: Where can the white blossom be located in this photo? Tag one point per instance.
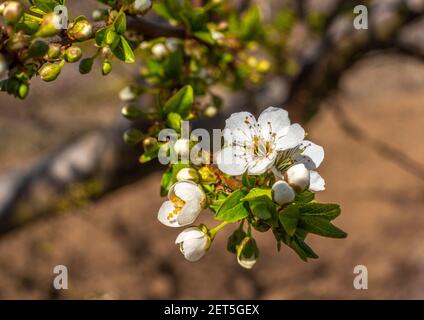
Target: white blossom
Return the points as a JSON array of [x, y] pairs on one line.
[[193, 243], [282, 193], [253, 145], [298, 177], [186, 201]]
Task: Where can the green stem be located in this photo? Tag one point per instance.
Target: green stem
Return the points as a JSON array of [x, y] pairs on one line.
[[215, 230]]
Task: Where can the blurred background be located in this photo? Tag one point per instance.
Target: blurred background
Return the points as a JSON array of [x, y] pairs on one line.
[[64, 200]]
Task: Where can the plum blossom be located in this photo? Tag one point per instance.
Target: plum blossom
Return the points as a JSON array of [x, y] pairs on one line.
[[311, 156], [193, 243], [253, 146], [186, 201]]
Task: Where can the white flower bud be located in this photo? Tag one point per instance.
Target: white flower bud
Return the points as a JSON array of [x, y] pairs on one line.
[[141, 6], [182, 148], [282, 192], [186, 201], [193, 243], [159, 50], [187, 174], [210, 111], [127, 94], [298, 177], [13, 11]]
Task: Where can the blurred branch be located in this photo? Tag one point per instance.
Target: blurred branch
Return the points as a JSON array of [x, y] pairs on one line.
[[149, 29], [320, 74], [389, 152]]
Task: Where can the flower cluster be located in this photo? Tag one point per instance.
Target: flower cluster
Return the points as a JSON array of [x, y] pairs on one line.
[[263, 178]]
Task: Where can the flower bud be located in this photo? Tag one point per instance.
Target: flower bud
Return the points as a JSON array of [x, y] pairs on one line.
[[282, 193], [182, 147], [2, 6], [73, 54], [193, 243], [298, 177], [54, 51], [80, 30], [132, 113], [37, 49], [50, 72], [3, 65], [247, 253], [188, 174], [86, 65], [141, 6], [128, 94], [99, 14], [263, 66], [13, 11], [23, 90], [49, 26], [106, 67], [210, 111], [150, 144], [106, 53], [17, 42], [159, 50]]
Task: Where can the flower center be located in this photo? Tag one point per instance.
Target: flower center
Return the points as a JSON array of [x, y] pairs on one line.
[[261, 148], [178, 204]]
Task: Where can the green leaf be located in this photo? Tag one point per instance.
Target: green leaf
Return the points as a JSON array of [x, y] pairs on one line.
[[180, 103], [251, 24], [321, 226], [166, 182], [302, 249], [173, 120], [256, 193], [46, 5], [120, 23], [263, 208], [327, 210], [123, 51], [289, 219], [204, 36], [232, 209], [304, 197], [101, 36], [233, 214], [173, 65], [248, 181], [133, 136], [235, 239]]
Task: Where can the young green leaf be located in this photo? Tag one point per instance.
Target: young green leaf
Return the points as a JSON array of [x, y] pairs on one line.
[[232, 209], [321, 226], [121, 23], [289, 218], [329, 211], [180, 103], [256, 193], [304, 197], [166, 182]]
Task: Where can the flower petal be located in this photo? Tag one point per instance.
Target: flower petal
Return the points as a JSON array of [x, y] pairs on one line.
[[164, 215], [273, 120], [189, 213], [293, 138], [312, 156], [232, 160], [189, 233], [194, 249], [187, 191], [260, 165], [239, 129], [316, 183]]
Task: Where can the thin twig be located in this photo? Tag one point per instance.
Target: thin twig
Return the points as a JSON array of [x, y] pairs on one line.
[[395, 155]]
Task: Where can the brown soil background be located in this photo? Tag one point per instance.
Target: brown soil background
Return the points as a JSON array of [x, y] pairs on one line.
[[116, 249]]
